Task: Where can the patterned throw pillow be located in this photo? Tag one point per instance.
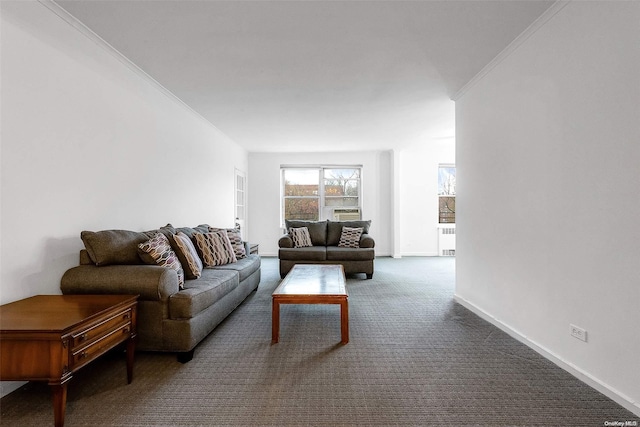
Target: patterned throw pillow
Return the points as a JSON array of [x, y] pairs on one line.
[[187, 255], [301, 237], [160, 250], [350, 237], [236, 241], [215, 248]]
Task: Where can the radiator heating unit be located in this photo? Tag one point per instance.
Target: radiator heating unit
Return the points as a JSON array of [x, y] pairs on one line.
[[447, 240]]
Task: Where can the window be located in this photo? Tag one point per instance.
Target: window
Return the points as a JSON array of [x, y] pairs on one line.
[[301, 194], [447, 194], [240, 198], [341, 187], [316, 193]]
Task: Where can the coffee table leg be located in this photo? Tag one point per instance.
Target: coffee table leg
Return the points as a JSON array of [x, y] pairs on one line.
[[344, 321], [275, 321], [59, 398], [131, 354]]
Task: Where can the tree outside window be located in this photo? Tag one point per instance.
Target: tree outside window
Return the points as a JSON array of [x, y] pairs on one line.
[[447, 194], [301, 194], [341, 187]]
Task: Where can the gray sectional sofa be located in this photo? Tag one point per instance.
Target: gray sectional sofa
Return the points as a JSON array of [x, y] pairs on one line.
[[170, 319], [325, 249]]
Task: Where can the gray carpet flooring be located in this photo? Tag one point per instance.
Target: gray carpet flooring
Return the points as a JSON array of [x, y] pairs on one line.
[[415, 358]]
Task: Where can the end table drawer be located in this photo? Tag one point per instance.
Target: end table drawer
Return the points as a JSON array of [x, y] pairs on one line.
[[83, 355], [81, 338]]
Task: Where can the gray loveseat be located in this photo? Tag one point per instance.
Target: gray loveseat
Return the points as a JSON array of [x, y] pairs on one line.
[[325, 249], [170, 319]]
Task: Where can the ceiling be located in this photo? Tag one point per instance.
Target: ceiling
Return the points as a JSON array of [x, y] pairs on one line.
[[301, 76]]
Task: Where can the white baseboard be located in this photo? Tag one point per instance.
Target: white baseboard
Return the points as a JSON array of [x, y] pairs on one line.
[[580, 374], [419, 254]]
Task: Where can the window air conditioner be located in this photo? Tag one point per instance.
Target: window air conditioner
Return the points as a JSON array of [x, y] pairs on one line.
[[345, 214]]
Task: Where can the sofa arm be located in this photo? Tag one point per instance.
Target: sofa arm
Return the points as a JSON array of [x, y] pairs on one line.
[[151, 282], [366, 241], [285, 241]]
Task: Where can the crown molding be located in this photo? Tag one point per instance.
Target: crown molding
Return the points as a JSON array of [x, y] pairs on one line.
[[513, 46], [103, 44]]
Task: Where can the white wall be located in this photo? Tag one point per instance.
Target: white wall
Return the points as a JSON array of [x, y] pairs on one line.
[[548, 171], [264, 193], [89, 144], [419, 195]]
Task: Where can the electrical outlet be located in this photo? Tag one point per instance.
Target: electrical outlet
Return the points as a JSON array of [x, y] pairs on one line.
[[578, 332]]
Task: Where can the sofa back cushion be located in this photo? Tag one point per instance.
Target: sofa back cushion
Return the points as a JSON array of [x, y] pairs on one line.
[[334, 229], [317, 230], [113, 246]]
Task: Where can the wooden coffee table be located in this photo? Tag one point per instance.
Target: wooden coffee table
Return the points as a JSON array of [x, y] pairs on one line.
[[49, 337], [312, 284]]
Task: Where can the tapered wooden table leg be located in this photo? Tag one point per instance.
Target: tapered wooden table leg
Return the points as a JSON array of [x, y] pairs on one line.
[[344, 321], [59, 392], [275, 321], [131, 354]]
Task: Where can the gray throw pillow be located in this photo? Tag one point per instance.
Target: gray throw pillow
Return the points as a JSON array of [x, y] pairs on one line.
[[113, 246]]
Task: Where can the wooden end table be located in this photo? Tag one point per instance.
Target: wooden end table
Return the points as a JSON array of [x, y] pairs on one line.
[[312, 284], [49, 337]]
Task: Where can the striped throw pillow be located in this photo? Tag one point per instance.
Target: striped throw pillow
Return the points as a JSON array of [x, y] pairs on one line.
[[188, 255], [215, 248]]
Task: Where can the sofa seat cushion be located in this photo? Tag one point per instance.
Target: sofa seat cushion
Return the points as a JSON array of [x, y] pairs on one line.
[[199, 294], [336, 253], [245, 266], [312, 253]]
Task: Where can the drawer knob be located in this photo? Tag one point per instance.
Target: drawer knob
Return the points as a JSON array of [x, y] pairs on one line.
[[125, 330], [83, 355], [82, 337], [127, 316]]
